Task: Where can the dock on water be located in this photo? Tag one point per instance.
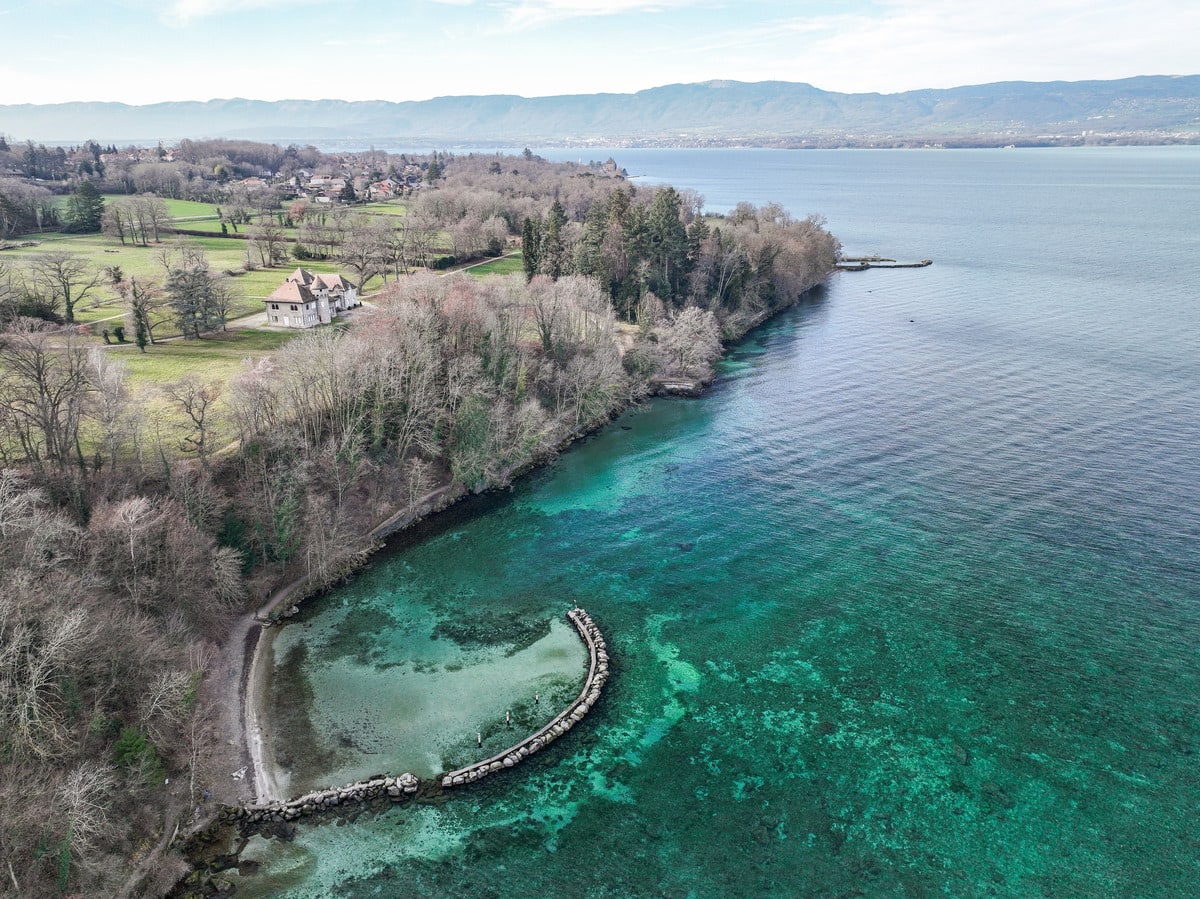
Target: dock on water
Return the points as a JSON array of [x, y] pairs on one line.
[[862, 263]]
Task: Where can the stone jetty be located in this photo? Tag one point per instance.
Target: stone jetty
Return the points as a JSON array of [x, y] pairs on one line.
[[397, 788], [568, 718], [393, 788], [862, 263]]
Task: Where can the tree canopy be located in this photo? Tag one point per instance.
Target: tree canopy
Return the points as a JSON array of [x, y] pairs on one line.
[[85, 209]]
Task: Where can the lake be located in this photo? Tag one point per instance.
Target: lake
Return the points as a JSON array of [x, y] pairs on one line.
[[907, 604]]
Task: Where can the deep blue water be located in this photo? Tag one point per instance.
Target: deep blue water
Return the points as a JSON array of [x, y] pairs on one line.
[[906, 605]]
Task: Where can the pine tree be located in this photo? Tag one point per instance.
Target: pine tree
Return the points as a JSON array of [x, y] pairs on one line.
[[85, 209], [531, 239], [668, 244], [553, 251]]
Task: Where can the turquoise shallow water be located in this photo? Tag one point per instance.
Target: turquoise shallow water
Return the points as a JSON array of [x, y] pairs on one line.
[[906, 605]]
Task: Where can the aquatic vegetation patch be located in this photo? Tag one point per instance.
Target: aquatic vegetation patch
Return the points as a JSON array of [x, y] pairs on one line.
[[485, 628]]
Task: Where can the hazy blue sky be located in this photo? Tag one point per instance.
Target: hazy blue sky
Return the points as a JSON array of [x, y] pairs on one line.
[[143, 52]]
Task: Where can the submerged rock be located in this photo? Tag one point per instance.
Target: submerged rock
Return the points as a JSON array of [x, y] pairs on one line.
[[997, 795], [962, 755]]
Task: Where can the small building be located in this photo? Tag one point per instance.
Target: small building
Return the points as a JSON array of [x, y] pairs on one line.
[[305, 300]]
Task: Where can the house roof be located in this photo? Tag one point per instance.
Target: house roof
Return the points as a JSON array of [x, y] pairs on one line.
[[333, 282], [291, 292], [300, 276]]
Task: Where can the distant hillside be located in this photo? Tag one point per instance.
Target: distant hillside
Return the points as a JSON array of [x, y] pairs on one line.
[[771, 112]]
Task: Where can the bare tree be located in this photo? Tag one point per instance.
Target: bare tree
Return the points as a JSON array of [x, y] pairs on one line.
[[67, 276], [153, 216], [119, 222], [421, 228], [394, 250], [549, 314], [84, 797], [268, 236], [194, 399], [181, 253], [43, 392], [255, 403], [691, 341], [222, 299], [148, 308], [33, 655], [364, 249], [163, 708], [117, 419]]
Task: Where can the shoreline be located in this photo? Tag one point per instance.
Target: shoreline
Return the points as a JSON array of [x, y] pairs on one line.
[[263, 770], [252, 678]]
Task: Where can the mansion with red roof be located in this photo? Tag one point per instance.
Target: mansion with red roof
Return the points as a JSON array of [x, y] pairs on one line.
[[306, 300]]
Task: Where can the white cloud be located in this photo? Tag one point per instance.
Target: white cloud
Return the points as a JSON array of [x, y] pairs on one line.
[[533, 13], [185, 12], [909, 44]]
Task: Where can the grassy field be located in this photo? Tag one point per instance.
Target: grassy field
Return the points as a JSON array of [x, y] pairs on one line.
[[505, 265], [216, 357], [392, 208], [188, 209]]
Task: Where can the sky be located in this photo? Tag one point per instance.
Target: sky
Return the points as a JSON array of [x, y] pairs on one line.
[[140, 52]]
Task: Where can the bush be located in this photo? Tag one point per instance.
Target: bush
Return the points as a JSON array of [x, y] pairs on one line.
[[136, 754]]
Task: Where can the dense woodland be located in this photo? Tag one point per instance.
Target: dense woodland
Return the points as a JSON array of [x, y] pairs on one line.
[[128, 547]]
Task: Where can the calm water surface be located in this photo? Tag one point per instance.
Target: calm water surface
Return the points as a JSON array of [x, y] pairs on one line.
[[906, 605]]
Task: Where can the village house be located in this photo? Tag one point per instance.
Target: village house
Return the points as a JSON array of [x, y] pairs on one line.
[[305, 300], [383, 190]]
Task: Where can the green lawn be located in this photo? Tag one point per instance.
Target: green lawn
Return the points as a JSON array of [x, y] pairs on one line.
[[505, 265], [210, 225], [392, 208], [190, 209], [216, 357]]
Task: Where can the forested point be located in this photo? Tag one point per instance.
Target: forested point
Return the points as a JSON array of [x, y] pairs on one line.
[[140, 520]]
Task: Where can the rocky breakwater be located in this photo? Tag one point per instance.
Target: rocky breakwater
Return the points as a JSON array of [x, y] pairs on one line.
[[392, 788], [574, 713]]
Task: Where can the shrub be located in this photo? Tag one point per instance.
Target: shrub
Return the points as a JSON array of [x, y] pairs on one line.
[[136, 754]]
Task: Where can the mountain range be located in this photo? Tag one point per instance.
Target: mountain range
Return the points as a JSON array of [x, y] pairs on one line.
[[1148, 108]]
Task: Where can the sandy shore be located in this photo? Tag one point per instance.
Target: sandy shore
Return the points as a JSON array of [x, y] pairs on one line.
[[245, 769], [224, 691], [254, 682], [262, 762]]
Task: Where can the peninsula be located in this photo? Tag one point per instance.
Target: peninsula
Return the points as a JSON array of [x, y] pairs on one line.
[[273, 474]]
